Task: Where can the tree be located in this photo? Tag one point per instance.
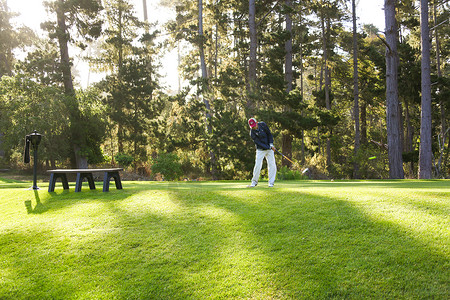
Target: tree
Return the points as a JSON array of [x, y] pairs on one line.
[[355, 89], [439, 19], [6, 32], [27, 105], [325, 47], [82, 15], [121, 30], [43, 64], [251, 88], [329, 15], [392, 105], [425, 152], [205, 85], [409, 95], [288, 75], [11, 37], [140, 109]]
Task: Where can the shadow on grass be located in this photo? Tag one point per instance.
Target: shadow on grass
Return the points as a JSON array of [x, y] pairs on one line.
[[202, 241], [12, 184], [62, 199], [9, 181], [320, 247], [384, 184]]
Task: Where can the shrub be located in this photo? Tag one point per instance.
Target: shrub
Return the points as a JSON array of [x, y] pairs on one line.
[[318, 166], [287, 174], [190, 170], [123, 159], [168, 165]]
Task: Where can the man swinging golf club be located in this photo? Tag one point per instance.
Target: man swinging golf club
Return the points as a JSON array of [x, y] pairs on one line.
[[261, 135]]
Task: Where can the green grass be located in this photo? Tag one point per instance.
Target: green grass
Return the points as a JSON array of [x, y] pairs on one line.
[[219, 240]]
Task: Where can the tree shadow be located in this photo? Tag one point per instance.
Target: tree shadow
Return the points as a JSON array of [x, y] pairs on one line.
[[13, 184], [323, 247], [376, 183], [61, 199]]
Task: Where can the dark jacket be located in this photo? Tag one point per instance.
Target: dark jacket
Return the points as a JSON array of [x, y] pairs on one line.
[[262, 136]]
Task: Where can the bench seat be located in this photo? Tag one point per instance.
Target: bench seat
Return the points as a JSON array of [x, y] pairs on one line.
[[84, 173]]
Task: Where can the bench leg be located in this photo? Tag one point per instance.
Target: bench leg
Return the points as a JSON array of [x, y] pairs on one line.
[[90, 179], [107, 177], [52, 183], [117, 181], [79, 182], [64, 181]]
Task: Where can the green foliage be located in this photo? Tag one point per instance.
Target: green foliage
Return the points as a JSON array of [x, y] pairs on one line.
[[132, 92], [232, 144], [190, 167], [318, 166], [42, 64], [412, 156], [12, 37], [26, 106], [138, 118], [372, 162], [284, 173], [123, 159], [82, 19], [121, 27], [91, 125], [168, 165]]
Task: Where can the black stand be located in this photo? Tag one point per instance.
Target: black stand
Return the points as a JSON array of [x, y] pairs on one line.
[[34, 187]]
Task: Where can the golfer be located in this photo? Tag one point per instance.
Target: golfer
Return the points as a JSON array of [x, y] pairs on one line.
[[261, 135]]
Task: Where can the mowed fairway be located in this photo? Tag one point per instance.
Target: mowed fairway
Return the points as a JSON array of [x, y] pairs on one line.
[[219, 240]]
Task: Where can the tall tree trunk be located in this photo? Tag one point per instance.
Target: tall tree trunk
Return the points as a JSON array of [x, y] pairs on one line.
[[425, 152], [205, 87], [252, 59], [150, 64], [355, 91], [318, 87], [144, 6], [288, 73], [63, 40], [120, 130], [363, 123], [301, 94], [288, 77], [325, 32], [216, 50], [443, 132], [64, 49], [7, 57], [409, 136], [392, 105]]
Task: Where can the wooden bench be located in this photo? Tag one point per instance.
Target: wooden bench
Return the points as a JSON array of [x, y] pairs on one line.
[[84, 173]]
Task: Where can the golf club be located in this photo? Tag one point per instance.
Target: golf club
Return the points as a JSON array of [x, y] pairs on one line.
[[284, 156]]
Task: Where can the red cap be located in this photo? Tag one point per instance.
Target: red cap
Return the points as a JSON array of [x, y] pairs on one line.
[[252, 122]]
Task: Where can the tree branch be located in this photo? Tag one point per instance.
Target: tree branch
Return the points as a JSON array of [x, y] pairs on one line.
[[384, 41], [257, 24]]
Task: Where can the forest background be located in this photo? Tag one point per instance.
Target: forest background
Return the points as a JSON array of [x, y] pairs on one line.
[[343, 101]]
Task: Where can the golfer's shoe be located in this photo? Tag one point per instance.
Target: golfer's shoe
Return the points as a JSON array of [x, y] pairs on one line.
[[270, 185], [251, 186]]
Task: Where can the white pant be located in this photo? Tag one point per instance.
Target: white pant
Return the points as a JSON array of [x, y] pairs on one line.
[[270, 158]]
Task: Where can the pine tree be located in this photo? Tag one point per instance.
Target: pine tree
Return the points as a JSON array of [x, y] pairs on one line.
[[425, 152], [82, 15], [392, 105]]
